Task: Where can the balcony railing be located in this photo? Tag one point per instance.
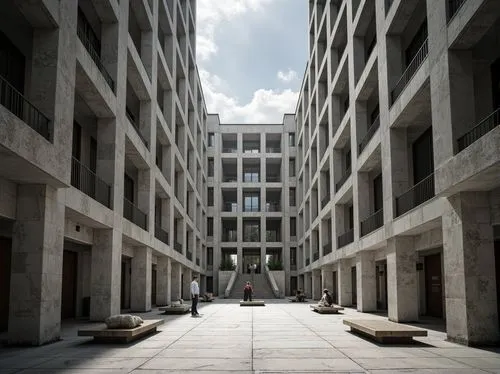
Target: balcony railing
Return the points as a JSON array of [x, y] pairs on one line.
[[369, 134], [273, 236], [273, 206], [134, 214], [315, 256], [161, 234], [229, 150], [485, 126], [251, 237], [343, 179], [327, 248], [293, 267], [131, 118], [373, 222], [273, 150], [325, 200], [410, 71], [229, 207], [418, 194], [93, 46], [249, 208], [453, 7], [273, 178], [345, 238], [198, 262], [17, 104], [308, 261], [178, 247], [89, 183], [230, 178], [189, 255], [230, 236]]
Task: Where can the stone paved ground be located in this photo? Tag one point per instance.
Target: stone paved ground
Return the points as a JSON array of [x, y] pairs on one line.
[[280, 337]]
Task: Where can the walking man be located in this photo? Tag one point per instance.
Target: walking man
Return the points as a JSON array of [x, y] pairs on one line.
[[195, 293]]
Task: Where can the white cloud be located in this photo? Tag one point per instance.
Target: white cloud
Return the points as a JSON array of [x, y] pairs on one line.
[[287, 77], [266, 106]]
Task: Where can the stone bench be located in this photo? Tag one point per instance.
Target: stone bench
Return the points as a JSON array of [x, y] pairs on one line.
[[321, 309], [252, 303], [175, 309], [385, 331], [295, 300], [106, 335]]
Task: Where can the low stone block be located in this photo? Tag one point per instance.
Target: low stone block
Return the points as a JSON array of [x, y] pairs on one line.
[[252, 303], [334, 309], [175, 309], [384, 331], [106, 335]]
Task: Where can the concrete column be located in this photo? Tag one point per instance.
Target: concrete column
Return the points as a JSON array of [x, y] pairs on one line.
[[239, 256], [105, 274], [37, 257], [188, 277], [316, 285], [344, 282], [402, 280], [176, 281], [366, 281], [327, 279], [300, 282], [140, 300], [163, 281], [469, 269], [307, 285]]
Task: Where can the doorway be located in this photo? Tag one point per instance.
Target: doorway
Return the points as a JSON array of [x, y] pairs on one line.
[[497, 274], [381, 275], [5, 267], [293, 285], [354, 299], [335, 294], [251, 256], [153, 285], [433, 286], [125, 283], [69, 281]]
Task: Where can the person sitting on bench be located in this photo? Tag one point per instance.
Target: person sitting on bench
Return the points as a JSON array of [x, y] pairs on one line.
[[247, 292], [299, 296], [327, 299]]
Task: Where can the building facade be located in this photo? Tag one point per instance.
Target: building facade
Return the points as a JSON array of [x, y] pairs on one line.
[[102, 160], [399, 163]]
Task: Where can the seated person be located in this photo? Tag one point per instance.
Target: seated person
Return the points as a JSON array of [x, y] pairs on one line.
[[327, 299], [299, 295], [247, 292]]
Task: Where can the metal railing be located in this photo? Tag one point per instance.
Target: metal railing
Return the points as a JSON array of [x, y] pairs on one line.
[[18, 105], [273, 178], [251, 238], [229, 207], [410, 71], [178, 247], [369, 134], [315, 256], [161, 234], [308, 261], [198, 261], [229, 150], [485, 126], [325, 200], [345, 238], [327, 248], [230, 236], [418, 194], [89, 183], [189, 255], [373, 222], [273, 150], [248, 208], [273, 206], [230, 178], [388, 4], [343, 179], [453, 8], [131, 118], [93, 47], [293, 267], [273, 236], [134, 214]]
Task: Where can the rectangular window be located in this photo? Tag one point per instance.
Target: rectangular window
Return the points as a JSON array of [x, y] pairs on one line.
[[210, 196], [211, 139], [210, 226], [377, 192], [129, 189], [210, 256], [251, 232], [292, 196], [251, 202], [293, 256], [77, 141], [293, 226], [251, 175], [291, 167], [210, 167], [291, 139]]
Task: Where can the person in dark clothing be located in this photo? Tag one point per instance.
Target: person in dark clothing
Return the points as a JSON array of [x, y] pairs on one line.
[[247, 292]]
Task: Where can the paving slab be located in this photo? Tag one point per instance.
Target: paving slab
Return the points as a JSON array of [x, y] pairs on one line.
[[313, 364]]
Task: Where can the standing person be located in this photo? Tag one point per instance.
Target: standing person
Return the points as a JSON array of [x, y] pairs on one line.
[[195, 294], [247, 292]]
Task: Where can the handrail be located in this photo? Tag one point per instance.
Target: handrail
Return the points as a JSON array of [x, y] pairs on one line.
[[89, 183], [345, 238], [373, 222], [343, 179], [134, 214], [410, 71], [161, 234], [327, 248], [416, 195], [131, 119], [231, 282], [453, 8], [325, 200], [272, 281], [482, 128], [369, 134]]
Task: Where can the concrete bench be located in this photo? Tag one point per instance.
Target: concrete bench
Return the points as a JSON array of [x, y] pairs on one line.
[[295, 300], [385, 331], [252, 303], [175, 309], [334, 309], [106, 335]]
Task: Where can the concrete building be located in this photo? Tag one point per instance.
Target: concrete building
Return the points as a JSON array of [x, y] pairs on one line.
[[399, 162], [251, 197], [102, 160]]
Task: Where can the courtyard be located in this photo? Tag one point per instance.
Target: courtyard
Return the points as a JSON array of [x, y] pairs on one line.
[[278, 338]]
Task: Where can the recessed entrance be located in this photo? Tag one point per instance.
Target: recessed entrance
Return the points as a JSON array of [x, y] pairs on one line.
[[433, 286], [381, 274], [5, 261], [125, 283], [251, 256], [69, 283], [354, 299]]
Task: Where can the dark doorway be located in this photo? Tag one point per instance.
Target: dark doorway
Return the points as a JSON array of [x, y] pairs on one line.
[[423, 156], [334, 288], [497, 274], [153, 285], [293, 285], [433, 286], [5, 261], [182, 286], [354, 299], [69, 280], [210, 284], [381, 286], [125, 283]]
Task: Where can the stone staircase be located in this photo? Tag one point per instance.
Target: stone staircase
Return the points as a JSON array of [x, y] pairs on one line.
[[260, 284]]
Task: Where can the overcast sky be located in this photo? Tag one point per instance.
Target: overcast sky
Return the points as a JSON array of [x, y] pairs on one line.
[[251, 57]]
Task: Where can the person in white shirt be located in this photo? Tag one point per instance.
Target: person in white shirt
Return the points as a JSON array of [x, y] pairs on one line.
[[195, 293]]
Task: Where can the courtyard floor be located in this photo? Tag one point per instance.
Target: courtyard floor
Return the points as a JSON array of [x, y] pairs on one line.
[[281, 337]]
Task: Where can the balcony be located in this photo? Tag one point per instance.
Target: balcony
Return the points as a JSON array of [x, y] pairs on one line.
[[388, 4], [418, 194], [345, 238], [18, 105], [89, 183], [485, 126], [178, 247], [197, 261], [273, 236], [308, 261], [369, 134], [229, 236], [373, 222], [342, 180], [453, 7], [230, 178], [131, 118], [327, 248], [410, 71], [273, 206], [273, 178], [315, 256], [273, 149], [251, 237], [230, 207], [189, 255], [229, 150], [161, 234], [134, 214], [293, 267], [325, 200], [93, 46]]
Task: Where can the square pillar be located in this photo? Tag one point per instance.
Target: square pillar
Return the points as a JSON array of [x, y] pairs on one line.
[[163, 281], [344, 283], [317, 291], [37, 258], [176, 281], [366, 281], [469, 269], [327, 279], [188, 277], [105, 291], [140, 300], [239, 260], [307, 285], [402, 282]]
